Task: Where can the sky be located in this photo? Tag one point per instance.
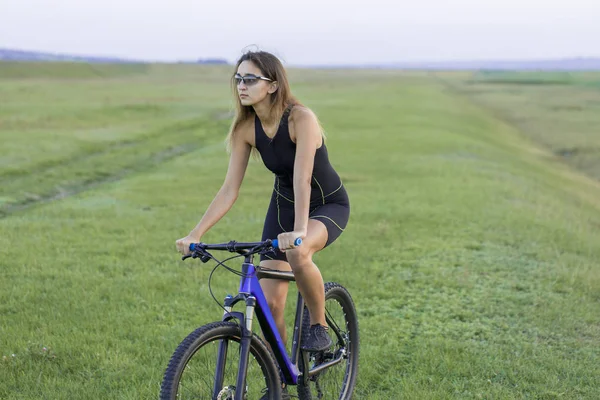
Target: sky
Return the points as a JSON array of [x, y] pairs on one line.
[[306, 32]]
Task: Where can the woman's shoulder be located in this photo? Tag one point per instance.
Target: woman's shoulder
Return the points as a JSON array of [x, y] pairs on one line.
[[303, 119], [245, 127], [301, 113], [247, 124]]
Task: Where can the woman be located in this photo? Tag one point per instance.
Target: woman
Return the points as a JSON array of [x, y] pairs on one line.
[[308, 201]]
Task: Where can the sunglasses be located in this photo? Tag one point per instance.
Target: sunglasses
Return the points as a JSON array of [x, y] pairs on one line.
[[249, 79]]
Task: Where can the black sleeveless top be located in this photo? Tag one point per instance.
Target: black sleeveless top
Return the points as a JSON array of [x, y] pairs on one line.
[[278, 155]]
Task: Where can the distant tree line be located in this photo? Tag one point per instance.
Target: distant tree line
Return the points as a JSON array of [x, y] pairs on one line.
[[22, 55]]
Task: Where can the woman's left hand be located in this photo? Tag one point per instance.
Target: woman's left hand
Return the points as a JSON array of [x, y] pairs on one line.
[[286, 239]]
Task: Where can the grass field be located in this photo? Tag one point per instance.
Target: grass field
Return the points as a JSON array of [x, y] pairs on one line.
[[560, 111], [472, 250]]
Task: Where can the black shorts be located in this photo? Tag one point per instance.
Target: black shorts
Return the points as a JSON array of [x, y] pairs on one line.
[[334, 214]]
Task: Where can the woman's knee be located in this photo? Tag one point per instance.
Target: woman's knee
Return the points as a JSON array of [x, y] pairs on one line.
[[299, 256]]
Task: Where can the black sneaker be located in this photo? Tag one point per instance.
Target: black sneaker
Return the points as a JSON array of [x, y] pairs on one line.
[[317, 340], [284, 394]]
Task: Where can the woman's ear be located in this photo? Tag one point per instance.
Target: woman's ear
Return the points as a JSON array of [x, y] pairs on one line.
[[273, 87]]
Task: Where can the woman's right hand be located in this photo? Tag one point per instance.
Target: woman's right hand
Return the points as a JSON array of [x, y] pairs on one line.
[[183, 244]]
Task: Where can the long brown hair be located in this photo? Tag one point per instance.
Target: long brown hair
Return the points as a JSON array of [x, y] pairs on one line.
[[271, 68]]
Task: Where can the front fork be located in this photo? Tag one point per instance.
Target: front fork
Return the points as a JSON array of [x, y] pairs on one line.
[[245, 343], [245, 349]]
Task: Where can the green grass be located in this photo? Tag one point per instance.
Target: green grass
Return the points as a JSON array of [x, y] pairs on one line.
[[562, 119], [67, 70], [589, 78], [471, 253]]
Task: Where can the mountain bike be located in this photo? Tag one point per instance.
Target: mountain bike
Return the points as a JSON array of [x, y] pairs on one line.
[[226, 360]]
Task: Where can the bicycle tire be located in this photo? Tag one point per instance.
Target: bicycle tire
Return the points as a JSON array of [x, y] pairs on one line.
[[344, 389], [211, 334]]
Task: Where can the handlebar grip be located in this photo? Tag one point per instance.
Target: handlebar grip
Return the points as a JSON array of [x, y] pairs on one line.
[[297, 242], [192, 247]]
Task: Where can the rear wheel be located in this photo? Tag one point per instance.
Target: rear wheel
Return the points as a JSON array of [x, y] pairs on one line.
[[193, 367], [336, 381]]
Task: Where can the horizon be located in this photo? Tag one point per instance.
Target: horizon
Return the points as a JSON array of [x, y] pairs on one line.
[[373, 63]]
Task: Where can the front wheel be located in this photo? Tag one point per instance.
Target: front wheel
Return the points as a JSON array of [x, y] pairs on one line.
[[194, 371], [336, 381]]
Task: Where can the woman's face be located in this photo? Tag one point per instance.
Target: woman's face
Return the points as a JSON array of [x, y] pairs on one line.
[[254, 87]]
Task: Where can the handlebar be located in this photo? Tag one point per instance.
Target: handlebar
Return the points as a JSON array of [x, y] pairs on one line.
[[246, 248]]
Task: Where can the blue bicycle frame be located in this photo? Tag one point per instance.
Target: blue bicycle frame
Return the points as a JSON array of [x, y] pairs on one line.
[[250, 292]]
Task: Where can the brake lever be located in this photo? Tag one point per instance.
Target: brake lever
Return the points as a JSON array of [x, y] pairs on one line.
[[197, 253], [193, 252]]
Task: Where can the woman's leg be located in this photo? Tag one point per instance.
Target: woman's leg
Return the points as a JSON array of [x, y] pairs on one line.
[[276, 291], [308, 277]]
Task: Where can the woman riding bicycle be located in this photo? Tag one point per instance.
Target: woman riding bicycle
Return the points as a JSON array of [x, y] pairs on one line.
[[309, 200]]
